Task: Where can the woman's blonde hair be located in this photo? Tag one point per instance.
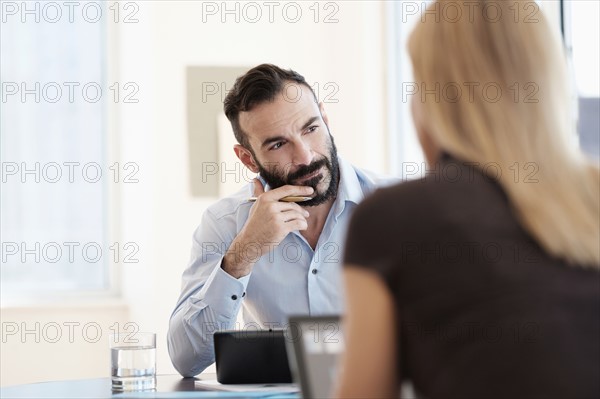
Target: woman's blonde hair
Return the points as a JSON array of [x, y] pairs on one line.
[[514, 112]]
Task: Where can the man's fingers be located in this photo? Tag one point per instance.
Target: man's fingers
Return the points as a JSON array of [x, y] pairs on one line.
[[293, 215], [297, 224], [289, 206], [293, 220]]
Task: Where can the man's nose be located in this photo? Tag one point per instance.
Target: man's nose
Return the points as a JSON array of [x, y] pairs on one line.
[[303, 154]]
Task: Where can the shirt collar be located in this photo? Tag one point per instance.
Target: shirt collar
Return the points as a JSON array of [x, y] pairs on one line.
[[349, 188]]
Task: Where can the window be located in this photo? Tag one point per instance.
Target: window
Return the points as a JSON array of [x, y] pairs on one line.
[[582, 39], [52, 136], [404, 149], [578, 20]]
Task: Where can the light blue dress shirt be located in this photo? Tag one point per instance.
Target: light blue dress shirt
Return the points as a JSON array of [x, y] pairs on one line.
[[292, 279]]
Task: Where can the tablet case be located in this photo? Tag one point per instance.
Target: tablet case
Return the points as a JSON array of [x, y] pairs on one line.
[[251, 357]]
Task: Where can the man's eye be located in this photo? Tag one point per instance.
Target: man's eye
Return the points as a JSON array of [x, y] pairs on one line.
[[277, 145], [312, 128]]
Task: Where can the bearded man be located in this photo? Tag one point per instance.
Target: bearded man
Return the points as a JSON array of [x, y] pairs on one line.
[[274, 248]]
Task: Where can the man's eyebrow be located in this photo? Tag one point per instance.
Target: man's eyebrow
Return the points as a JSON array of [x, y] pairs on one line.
[[274, 139], [270, 140], [310, 122]]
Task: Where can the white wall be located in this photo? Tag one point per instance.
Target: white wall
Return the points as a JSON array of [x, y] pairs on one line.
[[158, 213], [45, 341]]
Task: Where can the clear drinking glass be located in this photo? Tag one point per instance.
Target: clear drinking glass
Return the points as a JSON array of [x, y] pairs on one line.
[[133, 361]]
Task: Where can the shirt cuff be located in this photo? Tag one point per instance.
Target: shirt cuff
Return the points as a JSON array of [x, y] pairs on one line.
[[223, 293]]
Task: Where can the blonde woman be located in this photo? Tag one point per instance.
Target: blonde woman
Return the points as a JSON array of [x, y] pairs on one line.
[[481, 280]]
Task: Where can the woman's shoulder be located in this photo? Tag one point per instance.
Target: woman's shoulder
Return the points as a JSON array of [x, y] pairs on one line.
[[401, 204], [449, 189]]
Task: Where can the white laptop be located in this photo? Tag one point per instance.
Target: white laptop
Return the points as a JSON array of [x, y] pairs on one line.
[[314, 346]]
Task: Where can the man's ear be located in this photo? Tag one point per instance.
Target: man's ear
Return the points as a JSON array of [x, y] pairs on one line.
[[323, 113], [246, 157]]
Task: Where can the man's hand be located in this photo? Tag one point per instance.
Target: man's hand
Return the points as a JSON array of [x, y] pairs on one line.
[[269, 222]]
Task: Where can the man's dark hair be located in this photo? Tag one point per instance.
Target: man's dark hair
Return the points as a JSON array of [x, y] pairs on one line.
[[259, 85]]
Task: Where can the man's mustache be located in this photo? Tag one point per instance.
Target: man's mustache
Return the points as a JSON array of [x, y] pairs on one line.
[[306, 170]]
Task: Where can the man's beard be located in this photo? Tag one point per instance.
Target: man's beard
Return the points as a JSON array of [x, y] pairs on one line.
[[276, 179]]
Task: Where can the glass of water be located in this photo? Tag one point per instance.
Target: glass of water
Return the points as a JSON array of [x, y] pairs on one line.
[[133, 361]]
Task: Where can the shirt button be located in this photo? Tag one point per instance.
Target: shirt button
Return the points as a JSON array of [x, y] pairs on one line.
[[314, 271], [234, 297]]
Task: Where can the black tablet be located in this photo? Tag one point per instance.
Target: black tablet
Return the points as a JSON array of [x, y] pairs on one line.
[[251, 357]]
